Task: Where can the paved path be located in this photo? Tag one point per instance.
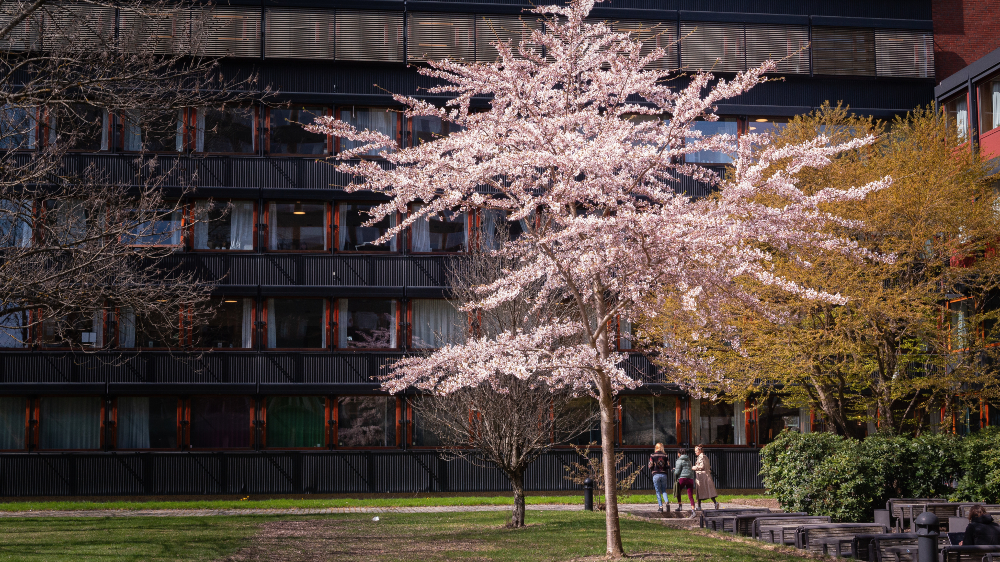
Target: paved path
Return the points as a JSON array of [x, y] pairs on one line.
[[625, 508]]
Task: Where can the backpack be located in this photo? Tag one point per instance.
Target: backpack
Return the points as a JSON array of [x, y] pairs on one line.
[[658, 463]]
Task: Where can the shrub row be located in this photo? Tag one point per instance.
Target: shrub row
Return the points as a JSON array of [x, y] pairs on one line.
[[825, 474]]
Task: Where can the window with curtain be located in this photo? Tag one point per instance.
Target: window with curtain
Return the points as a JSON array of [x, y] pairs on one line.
[[15, 223], [441, 232], [296, 323], [366, 421], [583, 408], [297, 227], [151, 131], [625, 335], [957, 111], [150, 332], [287, 136], [423, 435], [496, 229], [717, 423], [379, 119], [766, 125], [84, 329], [147, 422], [958, 312], [18, 128], [723, 126], [226, 130], [70, 222], [230, 328], [224, 227], [14, 327], [989, 104], [69, 422], [156, 227], [426, 129], [648, 420], [86, 127], [436, 323], [13, 416], [366, 323], [354, 236], [773, 417], [221, 422], [296, 422]]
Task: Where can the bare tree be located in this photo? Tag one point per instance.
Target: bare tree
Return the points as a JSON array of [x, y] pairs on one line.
[[512, 427], [82, 244]]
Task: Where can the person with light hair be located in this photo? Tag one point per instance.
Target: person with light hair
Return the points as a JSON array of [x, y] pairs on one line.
[[705, 486], [659, 465]]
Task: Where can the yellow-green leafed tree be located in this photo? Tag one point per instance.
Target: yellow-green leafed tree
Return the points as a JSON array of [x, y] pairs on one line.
[[891, 350]]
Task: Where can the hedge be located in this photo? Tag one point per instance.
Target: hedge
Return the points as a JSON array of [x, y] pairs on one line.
[[847, 479]]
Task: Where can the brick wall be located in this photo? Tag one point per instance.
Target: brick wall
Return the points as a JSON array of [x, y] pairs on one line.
[[964, 31]]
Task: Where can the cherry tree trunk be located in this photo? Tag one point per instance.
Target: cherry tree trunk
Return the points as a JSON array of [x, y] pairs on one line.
[[614, 533], [517, 515]]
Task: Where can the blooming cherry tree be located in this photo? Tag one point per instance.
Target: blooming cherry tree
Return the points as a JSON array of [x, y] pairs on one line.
[[585, 144]]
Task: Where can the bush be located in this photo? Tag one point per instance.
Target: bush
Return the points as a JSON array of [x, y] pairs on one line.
[[980, 467]]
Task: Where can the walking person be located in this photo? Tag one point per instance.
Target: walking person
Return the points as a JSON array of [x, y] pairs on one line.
[[703, 477], [659, 465], [685, 478]]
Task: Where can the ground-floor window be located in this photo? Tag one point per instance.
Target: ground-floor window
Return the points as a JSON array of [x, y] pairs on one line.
[[147, 422], [221, 422], [12, 422], [69, 422], [648, 420], [366, 421], [295, 422]]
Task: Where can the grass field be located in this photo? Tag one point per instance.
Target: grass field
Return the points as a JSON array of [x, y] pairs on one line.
[[305, 503], [479, 536]]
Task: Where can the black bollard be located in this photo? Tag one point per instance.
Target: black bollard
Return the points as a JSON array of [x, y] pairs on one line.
[[588, 494], [927, 537]]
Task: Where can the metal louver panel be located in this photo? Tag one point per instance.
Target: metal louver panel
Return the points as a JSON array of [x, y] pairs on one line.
[[299, 34], [434, 36], [369, 36], [160, 32], [904, 53], [652, 34], [715, 46], [24, 36], [843, 51], [786, 45], [77, 26], [226, 31], [512, 29]]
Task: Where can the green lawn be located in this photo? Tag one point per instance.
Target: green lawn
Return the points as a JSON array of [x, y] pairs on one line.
[[317, 503], [396, 537]]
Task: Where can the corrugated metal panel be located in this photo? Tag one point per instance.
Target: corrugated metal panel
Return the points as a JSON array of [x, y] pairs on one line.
[[843, 51], [904, 53], [652, 34], [299, 33], [712, 46], [514, 29], [226, 31], [24, 36], [369, 36], [77, 27], [163, 31], [436, 36], [787, 45]]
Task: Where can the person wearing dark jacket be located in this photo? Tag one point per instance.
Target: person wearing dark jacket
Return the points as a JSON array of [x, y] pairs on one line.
[[659, 465], [982, 529]]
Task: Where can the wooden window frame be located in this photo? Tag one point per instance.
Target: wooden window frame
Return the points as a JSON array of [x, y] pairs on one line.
[[113, 420], [255, 237], [335, 316], [38, 422]]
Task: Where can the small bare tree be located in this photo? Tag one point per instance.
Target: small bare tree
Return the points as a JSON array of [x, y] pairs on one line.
[[512, 427], [79, 240]]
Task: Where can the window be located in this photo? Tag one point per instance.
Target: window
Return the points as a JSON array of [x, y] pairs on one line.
[[83, 329], [297, 227], [583, 408], [956, 110], [287, 136], [83, 126], [625, 335], [224, 227], [423, 436], [69, 422], [766, 125], [958, 312], [647, 420], [16, 218], [366, 421], [226, 130], [296, 422], [366, 323], [773, 417], [72, 221], [445, 231], [426, 129], [147, 422], [717, 423], [156, 227], [496, 229], [231, 327], [14, 327], [221, 422], [296, 323], [376, 119], [152, 132], [354, 237], [18, 128], [150, 332], [989, 104], [436, 323], [13, 415], [707, 129]]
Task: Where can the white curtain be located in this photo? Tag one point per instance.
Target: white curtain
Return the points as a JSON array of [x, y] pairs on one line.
[[373, 119], [393, 327], [995, 98], [97, 325], [342, 230], [15, 225], [435, 323], [962, 119], [131, 131], [201, 227], [343, 322], [272, 226], [199, 140], [175, 228], [126, 328], [105, 127], [739, 424], [625, 339], [241, 227], [491, 219], [421, 233], [179, 139], [12, 420], [272, 324], [247, 323], [70, 422], [133, 422]]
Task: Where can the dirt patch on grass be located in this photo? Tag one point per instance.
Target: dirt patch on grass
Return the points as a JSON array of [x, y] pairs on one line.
[[315, 540], [649, 556], [758, 502]]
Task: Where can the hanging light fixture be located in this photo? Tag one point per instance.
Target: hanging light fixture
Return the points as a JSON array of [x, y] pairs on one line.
[[298, 209]]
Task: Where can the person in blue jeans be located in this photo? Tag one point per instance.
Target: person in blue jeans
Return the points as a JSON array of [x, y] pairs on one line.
[[659, 465]]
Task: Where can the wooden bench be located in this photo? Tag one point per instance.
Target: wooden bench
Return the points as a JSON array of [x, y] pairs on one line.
[[744, 524], [879, 546], [905, 509], [769, 528], [991, 508], [719, 517], [974, 553], [811, 537]]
